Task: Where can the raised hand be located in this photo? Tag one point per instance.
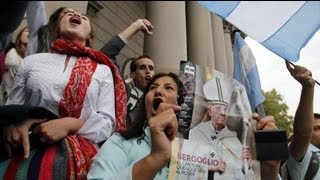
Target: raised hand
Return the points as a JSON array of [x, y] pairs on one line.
[[301, 74], [163, 127], [265, 123], [269, 169], [139, 25], [145, 26]]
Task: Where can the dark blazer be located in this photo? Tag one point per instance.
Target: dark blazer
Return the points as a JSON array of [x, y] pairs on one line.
[[112, 49]]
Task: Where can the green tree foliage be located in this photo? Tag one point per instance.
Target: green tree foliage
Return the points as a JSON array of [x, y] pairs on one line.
[[275, 106]]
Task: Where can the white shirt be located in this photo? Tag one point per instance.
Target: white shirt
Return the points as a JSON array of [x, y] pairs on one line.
[[136, 93], [13, 61], [40, 81]]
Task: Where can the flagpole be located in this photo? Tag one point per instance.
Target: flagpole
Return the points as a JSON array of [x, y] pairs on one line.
[[260, 110], [246, 164]]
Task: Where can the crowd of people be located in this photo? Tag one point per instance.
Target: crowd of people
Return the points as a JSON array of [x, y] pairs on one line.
[[12, 61], [107, 128]]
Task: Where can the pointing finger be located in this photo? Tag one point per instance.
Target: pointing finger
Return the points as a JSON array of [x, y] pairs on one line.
[[26, 146]]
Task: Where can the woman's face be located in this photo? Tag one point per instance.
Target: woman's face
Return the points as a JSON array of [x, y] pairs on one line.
[[165, 90], [65, 11], [75, 26], [25, 36]]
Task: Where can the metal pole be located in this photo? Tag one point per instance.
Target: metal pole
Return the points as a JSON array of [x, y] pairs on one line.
[[260, 110]]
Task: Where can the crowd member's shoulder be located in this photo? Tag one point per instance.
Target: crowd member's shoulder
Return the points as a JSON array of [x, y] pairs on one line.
[[41, 55], [41, 58], [9, 47], [120, 141], [103, 72], [12, 52]]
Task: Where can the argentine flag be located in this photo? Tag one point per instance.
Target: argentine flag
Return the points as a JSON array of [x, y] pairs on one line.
[[283, 27], [246, 71]]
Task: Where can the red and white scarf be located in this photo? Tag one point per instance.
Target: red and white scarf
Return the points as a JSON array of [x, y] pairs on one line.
[[75, 91]]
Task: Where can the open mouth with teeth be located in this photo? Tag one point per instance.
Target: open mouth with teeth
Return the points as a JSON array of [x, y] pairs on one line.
[[147, 78], [75, 20], [156, 103]]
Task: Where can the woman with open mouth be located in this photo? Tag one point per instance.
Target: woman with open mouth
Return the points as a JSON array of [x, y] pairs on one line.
[[144, 150], [78, 84]]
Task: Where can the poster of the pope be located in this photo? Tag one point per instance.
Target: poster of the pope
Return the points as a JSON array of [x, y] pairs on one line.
[[219, 141]]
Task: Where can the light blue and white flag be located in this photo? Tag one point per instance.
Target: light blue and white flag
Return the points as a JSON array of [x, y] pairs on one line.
[[246, 71], [283, 27]]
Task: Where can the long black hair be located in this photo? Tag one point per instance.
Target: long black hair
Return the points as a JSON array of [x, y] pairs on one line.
[[137, 129]]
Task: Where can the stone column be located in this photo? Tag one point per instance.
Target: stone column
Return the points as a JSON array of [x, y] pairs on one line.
[[199, 35], [219, 47], [228, 45], [168, 43]]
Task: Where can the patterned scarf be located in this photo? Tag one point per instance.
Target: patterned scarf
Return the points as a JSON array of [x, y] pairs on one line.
[[72, 101], [81, 151], [71, 157]]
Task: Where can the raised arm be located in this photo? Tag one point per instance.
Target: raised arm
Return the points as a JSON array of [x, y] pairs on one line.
[[303, 120], [163, 128], [113, 47], [139, 25]]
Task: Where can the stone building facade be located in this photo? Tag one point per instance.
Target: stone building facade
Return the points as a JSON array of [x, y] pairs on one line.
[[183, 31]]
